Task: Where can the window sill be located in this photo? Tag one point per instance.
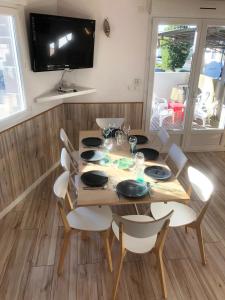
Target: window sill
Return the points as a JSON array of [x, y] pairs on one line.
[[14, 119]]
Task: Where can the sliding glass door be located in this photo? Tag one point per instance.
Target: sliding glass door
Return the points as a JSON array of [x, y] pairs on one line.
[[205, 129], [187, 79], [172, 68]]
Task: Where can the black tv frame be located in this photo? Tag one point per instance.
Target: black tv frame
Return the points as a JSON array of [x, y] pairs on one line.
[[33, 47]]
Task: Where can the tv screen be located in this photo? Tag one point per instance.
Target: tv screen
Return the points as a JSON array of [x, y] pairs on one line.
[[58, 42]]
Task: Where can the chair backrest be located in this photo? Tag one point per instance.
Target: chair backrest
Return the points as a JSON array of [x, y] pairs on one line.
[[65, 160], [114, 122], [201, 184], [69, 147], [178, 158], [156, 102], [66, 163], [64, 138], [61, 185], [64, 201], [141, 229], [203, 97], [162, 107], [163, 136], [60, 189]]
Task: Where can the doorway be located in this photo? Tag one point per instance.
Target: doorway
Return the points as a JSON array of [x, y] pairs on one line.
[[187, 79]]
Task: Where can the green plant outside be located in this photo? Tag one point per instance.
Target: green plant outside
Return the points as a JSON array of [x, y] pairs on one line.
[[174, 53]]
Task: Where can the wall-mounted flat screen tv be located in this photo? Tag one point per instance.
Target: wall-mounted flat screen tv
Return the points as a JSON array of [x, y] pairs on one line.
[[59, 43]]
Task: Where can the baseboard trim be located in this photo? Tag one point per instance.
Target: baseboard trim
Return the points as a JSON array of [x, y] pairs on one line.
[[27, 191]]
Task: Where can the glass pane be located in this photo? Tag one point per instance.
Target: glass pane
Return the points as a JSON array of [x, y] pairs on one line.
[[175, 48], [209, 109], [11, 93]]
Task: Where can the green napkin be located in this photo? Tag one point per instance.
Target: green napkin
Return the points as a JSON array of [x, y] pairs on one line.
[[124, 163]]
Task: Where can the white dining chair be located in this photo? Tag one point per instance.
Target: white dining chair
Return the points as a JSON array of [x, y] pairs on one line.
[[69, 147], [67, 162], [140, 234], [163, 137], [104, 122], [177, 157], [81, 219], [184, 215], [161, 111]]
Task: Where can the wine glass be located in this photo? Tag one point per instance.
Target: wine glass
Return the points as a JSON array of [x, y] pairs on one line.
[[106, 132], [133, 143], [126, 129], [119, 135], [108, 144], [112, 127]]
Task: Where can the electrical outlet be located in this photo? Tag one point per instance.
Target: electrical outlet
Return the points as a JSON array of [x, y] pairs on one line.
[[136, 83]]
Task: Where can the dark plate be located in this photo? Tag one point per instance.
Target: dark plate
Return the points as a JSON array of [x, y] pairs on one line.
[[92, 141], [158, 172], [112, 133], [132, 189], [94, 178], [149, 154], [92, 155], [141, 139]]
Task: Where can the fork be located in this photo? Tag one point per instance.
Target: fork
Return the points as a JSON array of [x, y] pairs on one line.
[[95, 188]]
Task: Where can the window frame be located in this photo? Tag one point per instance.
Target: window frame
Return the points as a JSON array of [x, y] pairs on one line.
[[21, 43]]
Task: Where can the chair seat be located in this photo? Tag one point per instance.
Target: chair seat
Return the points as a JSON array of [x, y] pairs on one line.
[[136, 245], [183, 214], [164, 113], [92, 218]]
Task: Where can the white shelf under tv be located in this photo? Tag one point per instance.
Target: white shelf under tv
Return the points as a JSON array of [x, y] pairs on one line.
[[55, 95]]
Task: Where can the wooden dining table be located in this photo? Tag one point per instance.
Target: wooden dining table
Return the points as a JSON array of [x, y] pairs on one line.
[[170, 190]]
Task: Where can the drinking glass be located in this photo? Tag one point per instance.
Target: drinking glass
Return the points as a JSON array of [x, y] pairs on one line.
[[119, 136], [126, 129], [108, 144], [139, 166], [106, 132], [133, 143]]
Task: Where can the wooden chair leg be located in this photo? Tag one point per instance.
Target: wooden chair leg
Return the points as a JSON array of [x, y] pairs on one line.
[[162, 274], [63, 251], [186, 229], [108, 249], [111, 238], [118, 273], [201, 244]]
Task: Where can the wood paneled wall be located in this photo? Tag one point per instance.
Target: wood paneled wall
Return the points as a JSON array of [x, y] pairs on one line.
[[31, 148], [27, 151], [82, 116]]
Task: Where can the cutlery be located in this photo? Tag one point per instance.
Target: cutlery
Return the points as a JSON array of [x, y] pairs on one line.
[[95, 188], [90, 147], [89, 163]]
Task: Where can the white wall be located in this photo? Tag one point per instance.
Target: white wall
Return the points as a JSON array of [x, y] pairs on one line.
[[165, 81], [119, 59], [188, 8]]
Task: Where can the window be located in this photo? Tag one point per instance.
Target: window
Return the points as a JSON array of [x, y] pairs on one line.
[[11, 91]]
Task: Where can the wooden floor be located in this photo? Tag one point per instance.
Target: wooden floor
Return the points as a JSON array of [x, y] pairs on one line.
[[31, 236]]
